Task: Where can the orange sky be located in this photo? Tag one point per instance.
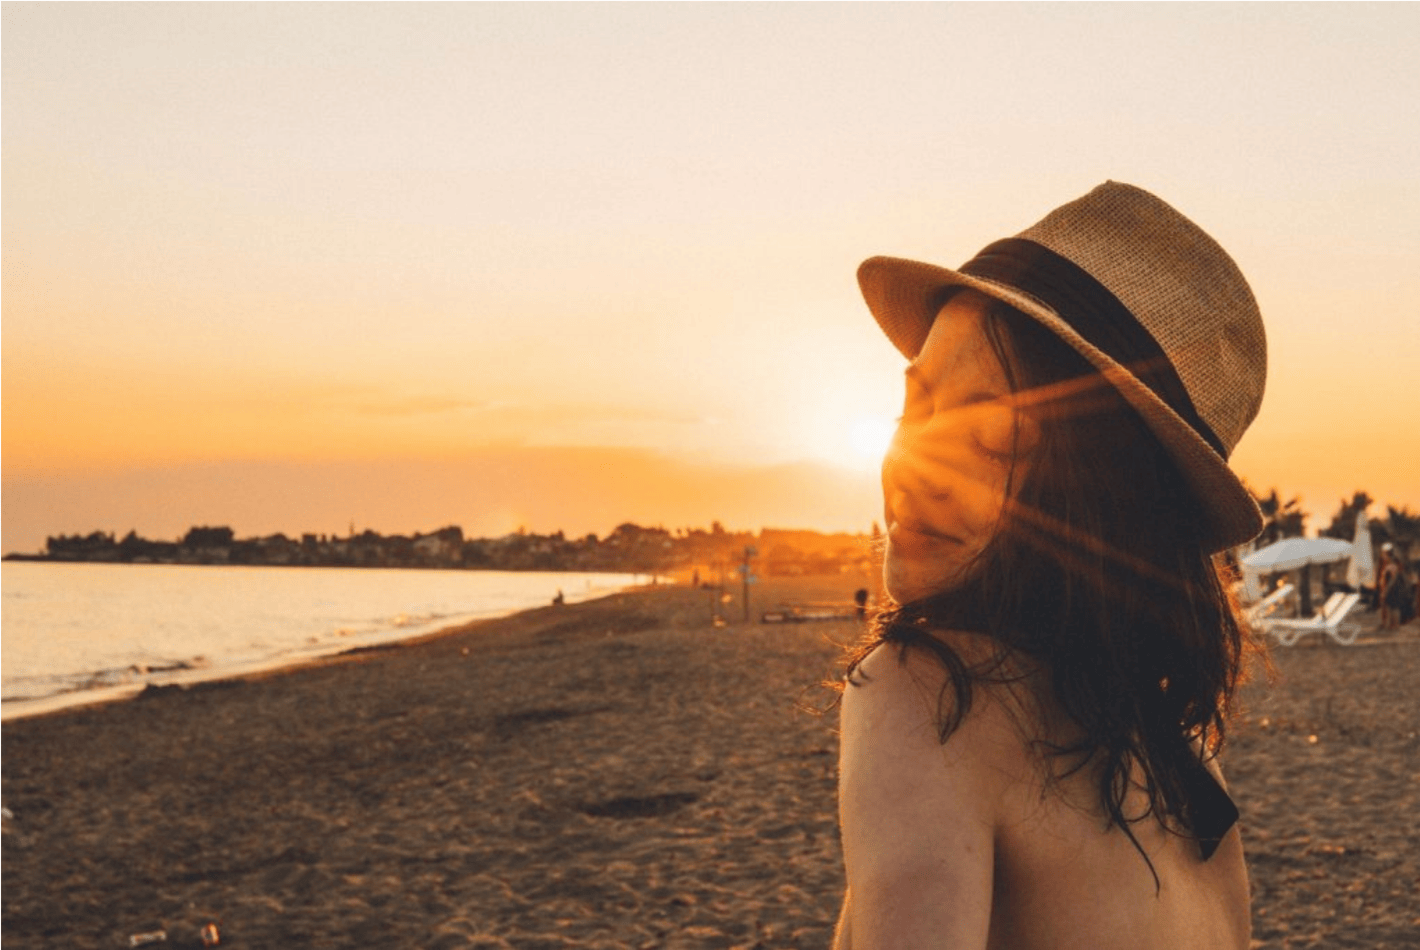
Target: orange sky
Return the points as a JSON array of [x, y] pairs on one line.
[[288, 267]]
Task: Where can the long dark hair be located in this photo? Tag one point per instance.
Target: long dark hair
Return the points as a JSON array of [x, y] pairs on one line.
[[1098, 576]]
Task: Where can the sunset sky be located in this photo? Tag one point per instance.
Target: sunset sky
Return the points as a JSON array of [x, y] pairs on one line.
[[300, 267]]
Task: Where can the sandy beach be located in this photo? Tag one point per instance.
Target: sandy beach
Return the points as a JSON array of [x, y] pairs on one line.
[[619, 773]]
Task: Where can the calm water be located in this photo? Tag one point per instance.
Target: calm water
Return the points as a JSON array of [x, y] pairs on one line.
[[79, 632]]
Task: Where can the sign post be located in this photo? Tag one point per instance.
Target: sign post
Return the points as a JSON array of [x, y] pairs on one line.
[[750, 552]]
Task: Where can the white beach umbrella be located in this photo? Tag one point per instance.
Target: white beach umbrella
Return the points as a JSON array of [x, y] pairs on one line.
[[1362, 569], [1290, 554]]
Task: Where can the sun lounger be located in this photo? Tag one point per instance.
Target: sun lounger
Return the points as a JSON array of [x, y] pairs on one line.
[[1330, 622], [807, 613], [1259, 611]]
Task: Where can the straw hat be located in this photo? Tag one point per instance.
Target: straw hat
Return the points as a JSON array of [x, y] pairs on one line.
[[1146, 297]]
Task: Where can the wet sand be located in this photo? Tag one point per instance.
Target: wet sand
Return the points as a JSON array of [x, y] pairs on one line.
[[613, 774]]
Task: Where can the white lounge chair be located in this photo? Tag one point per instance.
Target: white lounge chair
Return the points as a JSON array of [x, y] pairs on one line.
[[1329, 622], [1256, 613]]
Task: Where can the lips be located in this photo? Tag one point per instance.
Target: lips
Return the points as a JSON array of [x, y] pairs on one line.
[[903, 515], [912, 536]]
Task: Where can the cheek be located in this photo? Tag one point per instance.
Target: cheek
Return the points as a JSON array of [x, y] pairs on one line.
[[910, 576], [981, 493]]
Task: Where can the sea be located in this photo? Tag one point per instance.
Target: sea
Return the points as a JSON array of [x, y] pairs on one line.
[[72, 634]]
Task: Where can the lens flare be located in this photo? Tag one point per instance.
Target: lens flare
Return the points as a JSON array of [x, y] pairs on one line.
[[868, 437]]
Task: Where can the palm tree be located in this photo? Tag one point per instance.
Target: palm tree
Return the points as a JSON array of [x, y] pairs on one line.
[[1402, 528], [1280, 519], [1343, 523]]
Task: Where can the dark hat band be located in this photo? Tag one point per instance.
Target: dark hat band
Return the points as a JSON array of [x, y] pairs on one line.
[[1095, 313]]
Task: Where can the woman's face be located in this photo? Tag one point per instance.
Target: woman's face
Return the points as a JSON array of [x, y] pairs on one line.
[[946, 474]]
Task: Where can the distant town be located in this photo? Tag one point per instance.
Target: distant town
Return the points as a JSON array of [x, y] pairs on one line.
[[630, 548]]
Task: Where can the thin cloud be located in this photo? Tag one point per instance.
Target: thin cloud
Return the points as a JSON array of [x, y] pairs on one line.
[[422, 406], [517, 411]]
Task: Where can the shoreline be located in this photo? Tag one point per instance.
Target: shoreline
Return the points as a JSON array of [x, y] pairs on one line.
[[294, 658]]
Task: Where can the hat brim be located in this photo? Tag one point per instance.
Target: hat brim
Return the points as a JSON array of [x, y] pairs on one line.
[[903, 297]]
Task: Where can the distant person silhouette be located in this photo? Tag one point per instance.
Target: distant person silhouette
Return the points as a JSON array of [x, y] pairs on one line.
[[1394, 590]]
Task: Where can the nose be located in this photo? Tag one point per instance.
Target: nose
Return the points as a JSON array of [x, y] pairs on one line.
[[936, 462], [908, 470]]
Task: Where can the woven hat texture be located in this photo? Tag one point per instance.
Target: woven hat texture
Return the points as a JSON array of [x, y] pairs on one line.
[[1177, 283]]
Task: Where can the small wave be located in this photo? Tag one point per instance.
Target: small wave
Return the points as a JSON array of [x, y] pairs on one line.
[[166, 666], [402, 621]]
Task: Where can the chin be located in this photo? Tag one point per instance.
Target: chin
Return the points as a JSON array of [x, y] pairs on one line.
[[906, 579]]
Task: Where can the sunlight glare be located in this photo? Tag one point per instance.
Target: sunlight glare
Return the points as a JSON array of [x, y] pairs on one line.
[[868, 437]]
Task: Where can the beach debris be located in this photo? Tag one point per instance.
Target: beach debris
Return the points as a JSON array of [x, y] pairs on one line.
[[807, 613], [210, 936], [631, 806], [153, 690], [144, 939]]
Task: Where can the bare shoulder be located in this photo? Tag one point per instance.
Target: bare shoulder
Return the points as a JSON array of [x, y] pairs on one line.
[[902, 697], [895, 759], [919, 814]]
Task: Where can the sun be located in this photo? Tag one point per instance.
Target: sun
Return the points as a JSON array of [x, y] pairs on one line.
[[868, 437]]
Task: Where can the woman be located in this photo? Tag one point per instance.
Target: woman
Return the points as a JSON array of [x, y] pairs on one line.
[[1385, 584], [1029, 730], [1394, 592]]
